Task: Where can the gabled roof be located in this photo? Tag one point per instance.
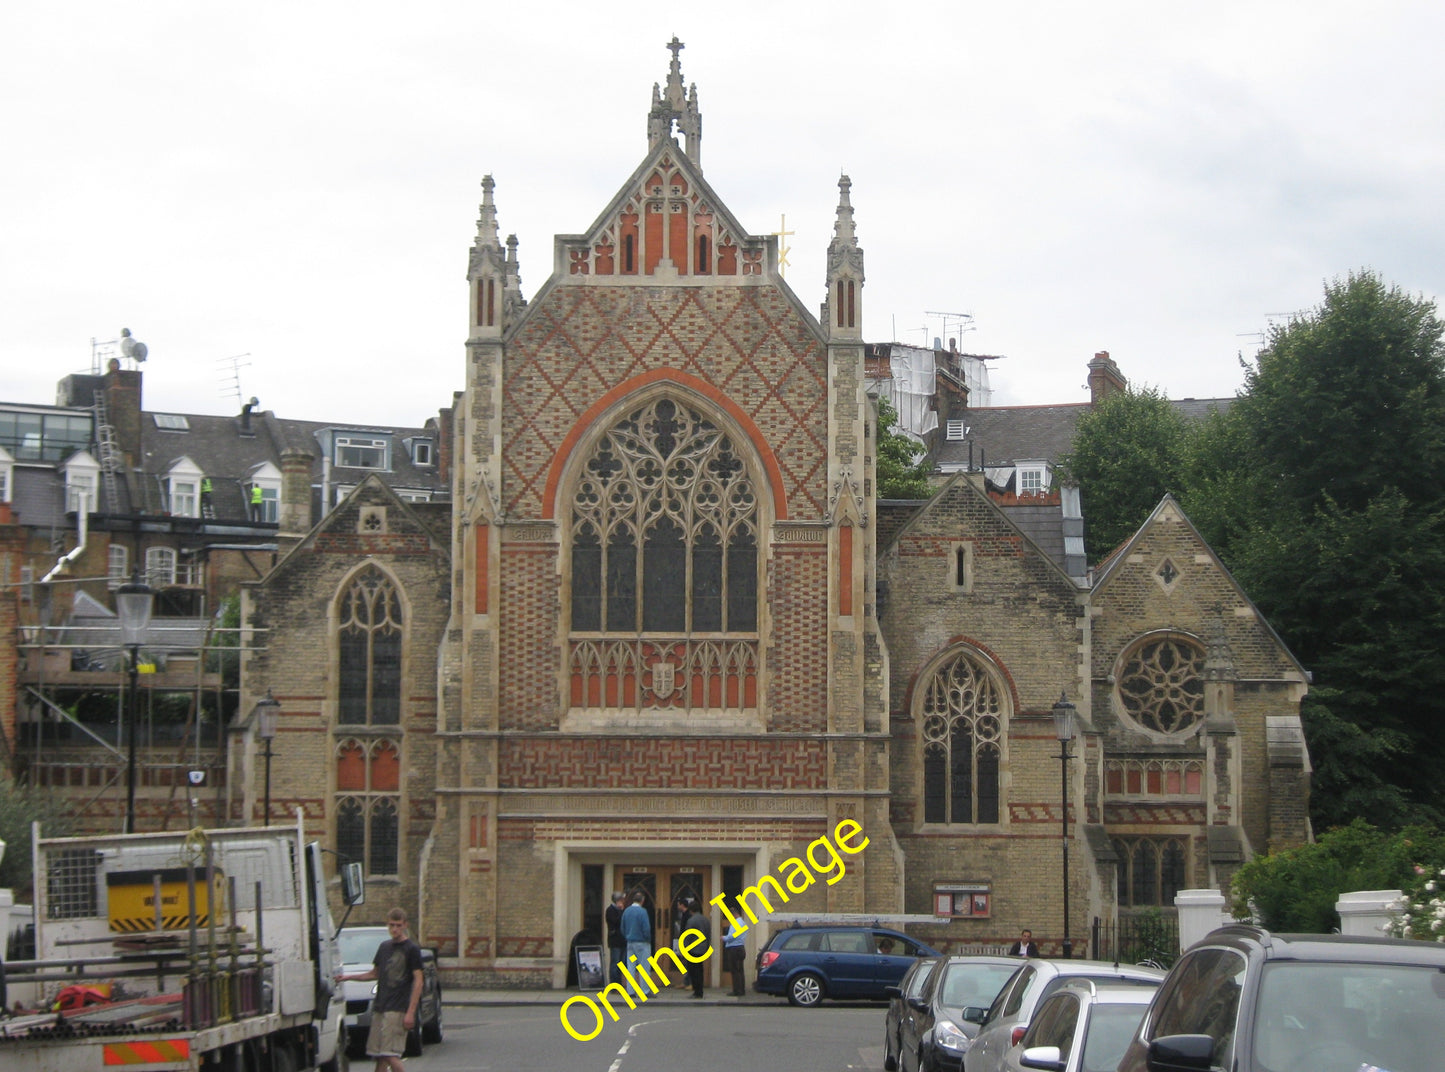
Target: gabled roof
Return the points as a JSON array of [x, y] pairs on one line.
[[1169, 506]]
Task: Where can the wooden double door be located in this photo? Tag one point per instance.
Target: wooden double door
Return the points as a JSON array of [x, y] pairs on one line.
[[664, 885]]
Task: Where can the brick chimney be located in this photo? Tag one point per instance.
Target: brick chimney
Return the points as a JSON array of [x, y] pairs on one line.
[[1105, 379], [295, 507], [123, 408]]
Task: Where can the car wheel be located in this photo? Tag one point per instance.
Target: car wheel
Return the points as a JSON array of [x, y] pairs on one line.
[[431, 1033], [806, 990]]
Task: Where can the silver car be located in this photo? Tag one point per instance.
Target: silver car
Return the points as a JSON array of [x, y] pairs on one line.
[[358, 951], [1084, 1026], [1011, 1012]]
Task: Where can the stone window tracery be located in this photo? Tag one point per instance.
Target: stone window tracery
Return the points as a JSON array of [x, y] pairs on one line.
[[369, 651], [664, 529], [1151, 870], [1161, 685], [368, 785], [962, 713]]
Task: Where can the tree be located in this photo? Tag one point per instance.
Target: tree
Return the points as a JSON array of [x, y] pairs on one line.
[[1128, 451], [1349, 399], [19, 807], [1296, 889], [1338, 489], [902, 468]]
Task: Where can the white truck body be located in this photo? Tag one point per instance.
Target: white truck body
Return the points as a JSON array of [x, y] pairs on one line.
[[249, 981]]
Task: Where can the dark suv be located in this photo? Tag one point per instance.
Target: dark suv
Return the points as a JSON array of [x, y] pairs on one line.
[[1250, 1001], [808, 964]]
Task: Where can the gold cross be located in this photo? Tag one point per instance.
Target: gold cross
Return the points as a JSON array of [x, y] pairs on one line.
[[782, 233]]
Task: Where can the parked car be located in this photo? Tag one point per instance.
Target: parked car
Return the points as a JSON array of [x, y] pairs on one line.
[[1011, 1012], [1084, 1026], [899, 1010], [358, 950], [1251, 1001], [935, 1037], [808, 964]]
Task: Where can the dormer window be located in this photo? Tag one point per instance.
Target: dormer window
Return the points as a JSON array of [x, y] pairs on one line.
[[356, 452], [1032, 478], [266, 479], [422, 452], [183, 489], [81, 475]]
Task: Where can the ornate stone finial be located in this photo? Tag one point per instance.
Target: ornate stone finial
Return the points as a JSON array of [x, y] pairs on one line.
[[675, 105], [512, 301], [844, 251], [487, 220]]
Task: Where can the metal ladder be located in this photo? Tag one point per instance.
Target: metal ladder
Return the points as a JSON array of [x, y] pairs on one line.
[[110, 457]]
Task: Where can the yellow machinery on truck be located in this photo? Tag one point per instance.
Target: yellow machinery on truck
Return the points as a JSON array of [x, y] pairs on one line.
[[216, 948]]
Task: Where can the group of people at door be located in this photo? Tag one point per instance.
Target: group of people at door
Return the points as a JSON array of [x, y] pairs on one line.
[[630, 938]]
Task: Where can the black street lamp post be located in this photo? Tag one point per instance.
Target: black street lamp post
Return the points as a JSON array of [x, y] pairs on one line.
[[1064, 730], [134, 602], [266, 712]]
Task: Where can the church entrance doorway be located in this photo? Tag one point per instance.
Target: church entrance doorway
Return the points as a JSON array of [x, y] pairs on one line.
[[663, 885]]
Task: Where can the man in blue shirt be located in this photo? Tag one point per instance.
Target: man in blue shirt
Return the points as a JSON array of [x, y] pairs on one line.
[[637, 933]]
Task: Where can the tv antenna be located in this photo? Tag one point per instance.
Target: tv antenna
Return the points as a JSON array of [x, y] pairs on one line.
[[231, 377]]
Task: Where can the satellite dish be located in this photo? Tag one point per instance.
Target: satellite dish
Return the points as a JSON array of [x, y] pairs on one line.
[[127, 344], [139, 351]]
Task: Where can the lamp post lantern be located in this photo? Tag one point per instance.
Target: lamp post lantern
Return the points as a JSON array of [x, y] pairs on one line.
[[134, 602], [1064, 730], [266, 711]]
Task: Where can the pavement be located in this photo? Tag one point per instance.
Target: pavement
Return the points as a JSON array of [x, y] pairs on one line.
[[673, 995]]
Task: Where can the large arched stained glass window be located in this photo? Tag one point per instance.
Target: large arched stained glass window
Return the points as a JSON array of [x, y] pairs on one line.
[[962, 715], [664, 529], [369, 648]]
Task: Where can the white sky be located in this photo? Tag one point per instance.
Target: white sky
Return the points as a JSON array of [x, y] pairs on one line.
[[298, 182]]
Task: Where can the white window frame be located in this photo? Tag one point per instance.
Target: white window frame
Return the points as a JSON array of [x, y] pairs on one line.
[[160, 567], [360, 443], [117, 565], [82, 476], [268, 478], [423, 452], [1039, 470], [7, 476]]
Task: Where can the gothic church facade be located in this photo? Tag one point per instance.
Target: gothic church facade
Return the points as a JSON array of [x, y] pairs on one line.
[[668, 636]]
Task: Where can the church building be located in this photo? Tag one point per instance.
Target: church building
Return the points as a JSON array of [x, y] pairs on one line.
[[670, 636]]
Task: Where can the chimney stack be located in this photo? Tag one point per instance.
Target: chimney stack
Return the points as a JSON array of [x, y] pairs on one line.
[[1105, 379], [295, 507]]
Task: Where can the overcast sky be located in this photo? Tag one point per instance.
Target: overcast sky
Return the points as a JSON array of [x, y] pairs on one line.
[[278, 198]]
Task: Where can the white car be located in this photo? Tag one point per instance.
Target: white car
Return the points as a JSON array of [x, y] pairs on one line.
[[358, 951], [1084, 1026]]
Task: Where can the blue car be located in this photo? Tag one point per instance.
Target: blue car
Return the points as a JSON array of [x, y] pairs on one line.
[[808, 964]]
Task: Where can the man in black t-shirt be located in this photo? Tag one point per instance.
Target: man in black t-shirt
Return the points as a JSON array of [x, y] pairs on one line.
[[616, 944], [398, 973]]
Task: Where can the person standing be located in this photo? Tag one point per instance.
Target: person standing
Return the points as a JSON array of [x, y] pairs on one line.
[[637, 933], [1025, 946], [615, 942], [398, 973], [697, 921], [256, 500], [734, 956]]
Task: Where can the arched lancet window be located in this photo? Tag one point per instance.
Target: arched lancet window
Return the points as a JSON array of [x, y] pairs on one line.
[[369, 650], [664, 529], [1151, 870], [962, 716], [1161, 683], [368, 784]]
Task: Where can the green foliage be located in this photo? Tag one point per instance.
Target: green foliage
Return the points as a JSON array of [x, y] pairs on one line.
[[1128, 451], [1420, 911], [19, 807], [1152, 937], [1295, 890], [902, 471]]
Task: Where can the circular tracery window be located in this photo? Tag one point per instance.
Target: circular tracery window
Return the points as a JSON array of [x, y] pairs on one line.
[[1161, 686]]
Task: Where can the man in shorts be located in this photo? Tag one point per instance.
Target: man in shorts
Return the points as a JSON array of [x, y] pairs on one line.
[[398, 974]]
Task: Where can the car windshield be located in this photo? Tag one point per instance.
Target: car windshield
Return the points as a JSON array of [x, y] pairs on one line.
[[1111, 1028], [974, 984], [358, 944], [1332, 1017]]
